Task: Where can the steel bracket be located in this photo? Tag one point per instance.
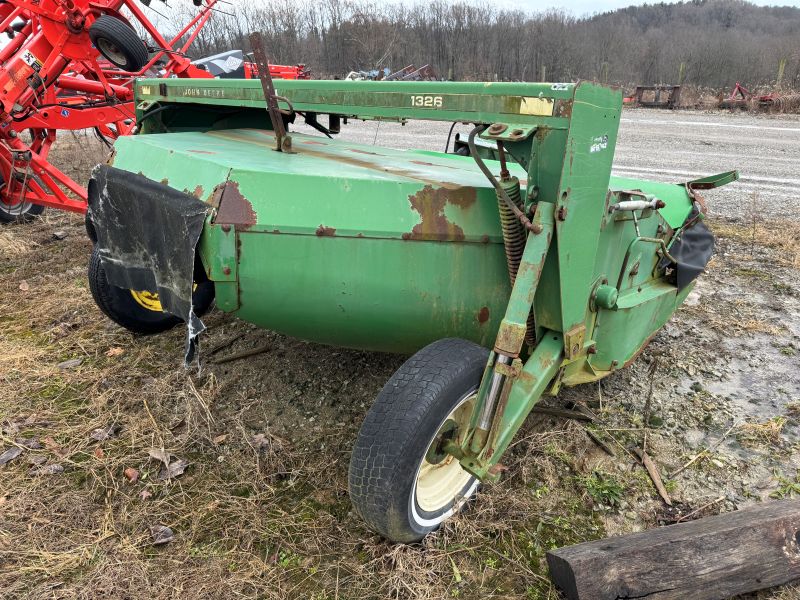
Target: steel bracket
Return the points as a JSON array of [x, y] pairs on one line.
[[508, 132], [573, 342], [511, 371]]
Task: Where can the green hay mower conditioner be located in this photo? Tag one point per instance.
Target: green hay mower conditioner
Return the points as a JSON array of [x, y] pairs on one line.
[[519, 268]]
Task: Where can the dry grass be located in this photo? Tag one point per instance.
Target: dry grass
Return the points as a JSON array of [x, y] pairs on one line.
[[255, 516], [759, 326], [781, 236], [766, 433], [262, 509], [740, 317], [752, 257], [11, 244]]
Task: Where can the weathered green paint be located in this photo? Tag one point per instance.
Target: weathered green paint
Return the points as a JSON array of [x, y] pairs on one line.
[[368, 247], [395, 100], [714, 181], [585, 174], [538, 372]]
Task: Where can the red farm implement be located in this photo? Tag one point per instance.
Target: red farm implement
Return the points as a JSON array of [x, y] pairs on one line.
[[278, 71], [232, 65], [70, 65], [744, 99]]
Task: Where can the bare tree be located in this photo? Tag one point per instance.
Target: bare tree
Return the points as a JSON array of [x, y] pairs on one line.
[[713, 42]]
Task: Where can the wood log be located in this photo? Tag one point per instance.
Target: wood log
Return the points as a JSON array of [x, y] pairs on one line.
[[708, 559]]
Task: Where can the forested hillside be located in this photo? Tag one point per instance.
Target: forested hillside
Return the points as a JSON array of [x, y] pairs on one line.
[[718, 42]]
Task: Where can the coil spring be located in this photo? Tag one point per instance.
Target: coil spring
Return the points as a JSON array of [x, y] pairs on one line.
[[514, 238], [513, 231]]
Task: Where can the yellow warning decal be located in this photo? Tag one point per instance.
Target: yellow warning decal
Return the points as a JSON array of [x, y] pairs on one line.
[[537, 106]]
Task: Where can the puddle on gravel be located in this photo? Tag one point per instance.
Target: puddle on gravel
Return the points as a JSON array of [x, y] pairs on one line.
[[728, 382], [758, 380]]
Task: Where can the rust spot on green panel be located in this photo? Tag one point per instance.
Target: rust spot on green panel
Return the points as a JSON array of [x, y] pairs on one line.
[[425, 163], [483, 315], [545, 362], [326, 231], [353, 156], [430, 203], [563, 108], [527, 379], [233, 208], [197, 193], [463, 197], [359, 151]]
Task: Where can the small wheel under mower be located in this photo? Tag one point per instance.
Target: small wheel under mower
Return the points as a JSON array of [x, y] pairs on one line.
[[401, 481], [139, 311]]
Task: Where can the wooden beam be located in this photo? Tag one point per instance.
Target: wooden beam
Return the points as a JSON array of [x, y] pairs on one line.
[[709, 559]]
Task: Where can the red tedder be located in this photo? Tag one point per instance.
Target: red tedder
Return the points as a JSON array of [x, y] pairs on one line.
[[278, 71], [70, 64]]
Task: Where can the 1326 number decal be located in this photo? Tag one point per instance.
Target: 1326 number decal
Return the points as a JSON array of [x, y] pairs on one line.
[[426, 101]]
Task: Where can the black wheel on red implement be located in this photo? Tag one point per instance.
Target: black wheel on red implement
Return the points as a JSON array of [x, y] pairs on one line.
[[16, 212], [118, 43], [19, 213]]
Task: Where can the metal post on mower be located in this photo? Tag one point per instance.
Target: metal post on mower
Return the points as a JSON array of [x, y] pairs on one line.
[[283, 142]]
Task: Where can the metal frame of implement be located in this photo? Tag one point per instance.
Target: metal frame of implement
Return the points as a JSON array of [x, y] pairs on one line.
[[564, 136], [52, 81]]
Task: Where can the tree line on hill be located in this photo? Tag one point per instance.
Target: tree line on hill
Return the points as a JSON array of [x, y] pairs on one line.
[[709, 43]]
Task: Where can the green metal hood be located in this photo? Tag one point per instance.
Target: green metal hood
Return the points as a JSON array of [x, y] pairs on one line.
[[422, 197]]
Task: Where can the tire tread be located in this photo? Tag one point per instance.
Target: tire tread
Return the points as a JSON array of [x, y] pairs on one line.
[[124, 37], [404, 405]]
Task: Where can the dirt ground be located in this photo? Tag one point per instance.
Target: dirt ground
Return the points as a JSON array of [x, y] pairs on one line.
[[257, 505]]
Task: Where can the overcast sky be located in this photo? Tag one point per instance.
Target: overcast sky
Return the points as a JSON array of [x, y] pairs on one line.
[[581, 7]]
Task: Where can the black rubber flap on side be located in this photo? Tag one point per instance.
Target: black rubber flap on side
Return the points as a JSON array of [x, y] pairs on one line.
[[692, 249], [147, 233]]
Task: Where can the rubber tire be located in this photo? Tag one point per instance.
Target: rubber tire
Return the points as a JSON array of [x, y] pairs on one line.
[[124, 38], [398, 430], [119, 306], [33, 210]]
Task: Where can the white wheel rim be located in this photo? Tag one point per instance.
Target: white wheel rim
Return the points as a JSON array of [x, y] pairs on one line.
[[15, 209], [445, 483]]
